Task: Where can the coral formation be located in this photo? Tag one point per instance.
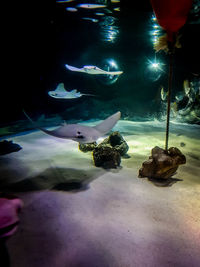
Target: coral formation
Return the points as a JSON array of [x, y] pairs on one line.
[[87, 147], [162, 164], [116, 140], [106, 157]]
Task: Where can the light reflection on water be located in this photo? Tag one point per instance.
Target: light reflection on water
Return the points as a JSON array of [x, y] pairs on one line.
[[102, 12], [109, 29]]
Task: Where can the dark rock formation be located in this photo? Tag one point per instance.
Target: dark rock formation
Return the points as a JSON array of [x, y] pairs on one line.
[[106, 157], [162, 164], [116, 141], [87, 147], [108, 153], [7, 147]]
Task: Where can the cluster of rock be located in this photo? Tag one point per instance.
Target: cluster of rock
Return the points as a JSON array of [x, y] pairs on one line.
[[162, 164], [7, 147], [109, 152]]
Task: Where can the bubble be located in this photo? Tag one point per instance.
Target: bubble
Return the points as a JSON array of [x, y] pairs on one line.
[[108, 64]]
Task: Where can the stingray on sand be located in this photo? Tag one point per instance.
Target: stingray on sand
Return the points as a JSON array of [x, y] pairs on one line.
[[81, 133]]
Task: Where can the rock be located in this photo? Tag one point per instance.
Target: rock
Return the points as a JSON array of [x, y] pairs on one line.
[[7, 147], [182, 144], [162, 164], [106, 157], [87, 147], [116, 140]]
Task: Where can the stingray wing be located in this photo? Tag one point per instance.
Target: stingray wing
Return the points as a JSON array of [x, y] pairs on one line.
[[74, 68], [106, 125], [60, 88], [73, 91]]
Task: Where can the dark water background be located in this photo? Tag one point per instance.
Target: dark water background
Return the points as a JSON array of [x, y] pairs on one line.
[[43, 37]]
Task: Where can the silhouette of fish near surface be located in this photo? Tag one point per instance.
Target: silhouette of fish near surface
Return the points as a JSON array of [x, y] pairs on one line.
[[93, 70], [81, 133], [61, 93]]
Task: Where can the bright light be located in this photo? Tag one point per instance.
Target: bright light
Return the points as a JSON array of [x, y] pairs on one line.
[[155, 39], [155, 65], [153, 18], [155, 32], [113, 63]]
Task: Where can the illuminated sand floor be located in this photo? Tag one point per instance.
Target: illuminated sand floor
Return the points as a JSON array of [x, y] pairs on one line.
[[113, 218]]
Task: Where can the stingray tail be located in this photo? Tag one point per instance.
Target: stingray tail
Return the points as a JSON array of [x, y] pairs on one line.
[[27, 116], [89, 94], [35, 124]]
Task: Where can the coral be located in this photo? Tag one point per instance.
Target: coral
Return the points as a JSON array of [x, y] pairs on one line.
[[87, 147], [116, 140], [162, 164], [106, 157]]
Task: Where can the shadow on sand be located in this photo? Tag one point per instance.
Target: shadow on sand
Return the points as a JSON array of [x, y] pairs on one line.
[[164, 182], [63, 179]]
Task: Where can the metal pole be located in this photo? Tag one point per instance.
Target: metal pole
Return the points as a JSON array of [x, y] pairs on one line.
[[169, 98]]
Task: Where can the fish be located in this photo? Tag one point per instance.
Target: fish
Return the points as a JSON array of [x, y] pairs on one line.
[[99, 14], [163, 94], [71, 9], [186, 87], [61, 93], [81, 133], [92, 70], [90, 19], [91, 6], [64, 1]]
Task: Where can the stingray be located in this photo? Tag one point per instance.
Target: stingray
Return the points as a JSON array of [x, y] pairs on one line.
[[61, 93], [93, 70], [81, 133]]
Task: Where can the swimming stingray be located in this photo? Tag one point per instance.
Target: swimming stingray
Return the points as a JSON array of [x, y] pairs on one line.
[[93, 70], [61, 93], [81, 133]]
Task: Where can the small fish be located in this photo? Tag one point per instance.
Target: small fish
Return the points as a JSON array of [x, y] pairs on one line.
[[61, 93], [186, 87], [91, 19], [64, 1], [80, 133], [71, 9], [163, 94], [93, 70], [99, 14], [174, 108], [91, 6]]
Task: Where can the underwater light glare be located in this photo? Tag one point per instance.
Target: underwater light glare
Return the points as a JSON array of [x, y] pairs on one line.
[[153, 18], [109, 29], [155, 39], [155, 65], [155, 32], [108, 64], [153, 70]]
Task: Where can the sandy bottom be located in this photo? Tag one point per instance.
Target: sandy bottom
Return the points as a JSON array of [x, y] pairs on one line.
[[77, 215]]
